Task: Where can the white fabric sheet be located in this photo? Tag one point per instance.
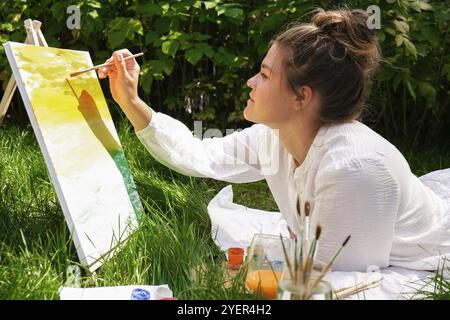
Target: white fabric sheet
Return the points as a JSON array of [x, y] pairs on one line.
[[233, 225]]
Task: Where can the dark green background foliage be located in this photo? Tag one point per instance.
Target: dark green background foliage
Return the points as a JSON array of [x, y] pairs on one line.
[[199, 54]]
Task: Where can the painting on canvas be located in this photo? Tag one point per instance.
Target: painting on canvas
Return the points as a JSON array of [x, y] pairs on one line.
[[83, 154]]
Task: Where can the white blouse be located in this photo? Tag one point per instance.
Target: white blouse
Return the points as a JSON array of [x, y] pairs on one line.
[[358, 184]]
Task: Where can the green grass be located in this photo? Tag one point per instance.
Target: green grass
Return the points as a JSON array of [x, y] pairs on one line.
[[173, 244]]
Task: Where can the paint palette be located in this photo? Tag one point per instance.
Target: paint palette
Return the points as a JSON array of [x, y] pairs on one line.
[[82, 151]]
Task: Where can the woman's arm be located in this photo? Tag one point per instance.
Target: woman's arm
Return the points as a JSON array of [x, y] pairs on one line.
[[357, 197], [232, 158]]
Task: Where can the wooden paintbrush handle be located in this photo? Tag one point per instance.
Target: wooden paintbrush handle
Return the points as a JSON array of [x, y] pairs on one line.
[[74, 74], [346, 292]]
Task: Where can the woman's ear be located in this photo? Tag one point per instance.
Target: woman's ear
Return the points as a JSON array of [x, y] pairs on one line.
[[304, 97]]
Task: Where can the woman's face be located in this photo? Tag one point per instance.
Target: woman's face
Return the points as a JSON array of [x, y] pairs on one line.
[[271, 102]]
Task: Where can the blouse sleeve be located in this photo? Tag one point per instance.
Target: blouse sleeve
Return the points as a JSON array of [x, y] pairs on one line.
[[357, 197], [233, 158]]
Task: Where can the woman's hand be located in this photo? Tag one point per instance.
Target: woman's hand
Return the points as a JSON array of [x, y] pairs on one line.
[[123, 77], [123, 82]]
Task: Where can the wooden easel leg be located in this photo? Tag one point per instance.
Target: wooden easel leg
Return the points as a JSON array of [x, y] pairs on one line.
[[7, 96], [34, 36], [37, 27]]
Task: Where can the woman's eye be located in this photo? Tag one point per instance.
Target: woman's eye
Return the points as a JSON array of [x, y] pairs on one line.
[[263, 75]]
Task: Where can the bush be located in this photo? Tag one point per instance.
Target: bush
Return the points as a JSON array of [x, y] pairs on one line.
[[199, 54]]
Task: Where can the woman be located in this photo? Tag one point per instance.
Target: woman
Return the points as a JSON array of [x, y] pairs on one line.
[[309, 146]]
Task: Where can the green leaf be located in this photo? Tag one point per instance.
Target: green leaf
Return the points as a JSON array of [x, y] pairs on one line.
[[399, 40], [401, 26], [397, 79], [385, 74], [162, 24], [425, 5], [272, 22], [206, 49], [442, 16], [174, 35], [169, 66], [446, 71], [431, 35], [136, 25], [155, 68], [122, 29], [151, 37], [200, 37], [93, 14], [262, 48], [150, 9], [59, 11], [422, 49], [146, 83], [115, 39], [197, 4], [94, 4], [427, 90], [390, 31], [193, 55], [119, 31], [6, 27], [232, 11], [209, 4], [415, 6], [410, 47], [170, 47], [409, 86], [3, 38]]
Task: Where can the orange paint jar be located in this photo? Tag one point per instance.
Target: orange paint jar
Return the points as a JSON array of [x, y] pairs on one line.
[[263, 282], [235, 258]]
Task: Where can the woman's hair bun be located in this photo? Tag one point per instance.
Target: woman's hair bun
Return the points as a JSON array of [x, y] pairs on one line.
[[350, 30]]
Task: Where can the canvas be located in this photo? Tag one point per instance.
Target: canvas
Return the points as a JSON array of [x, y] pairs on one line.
[[83, 154]]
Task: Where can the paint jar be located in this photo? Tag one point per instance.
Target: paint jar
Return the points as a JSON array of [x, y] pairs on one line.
[[235, 258]]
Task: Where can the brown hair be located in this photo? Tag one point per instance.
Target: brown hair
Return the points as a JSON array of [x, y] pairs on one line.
[[336, 54]]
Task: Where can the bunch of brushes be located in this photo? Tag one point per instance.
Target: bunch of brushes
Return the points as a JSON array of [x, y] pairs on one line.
[[304, 254]]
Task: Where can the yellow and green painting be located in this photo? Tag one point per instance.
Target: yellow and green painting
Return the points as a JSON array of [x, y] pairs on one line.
[[77, 137]]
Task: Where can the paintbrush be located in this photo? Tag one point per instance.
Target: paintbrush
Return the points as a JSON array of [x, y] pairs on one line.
[[74, 74], [345, 292], [327, 267], [310, 259], [307, 227]]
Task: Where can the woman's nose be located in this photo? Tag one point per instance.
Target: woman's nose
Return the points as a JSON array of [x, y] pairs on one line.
[[251, 82]]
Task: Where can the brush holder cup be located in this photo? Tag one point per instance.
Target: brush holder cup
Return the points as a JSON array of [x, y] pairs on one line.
[[288, 289], [264, 264]]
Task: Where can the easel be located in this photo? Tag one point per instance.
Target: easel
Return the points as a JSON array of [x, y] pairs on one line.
[[34, 36]]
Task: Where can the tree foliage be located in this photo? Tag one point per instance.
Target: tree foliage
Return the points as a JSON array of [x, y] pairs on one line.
[[199, 54]]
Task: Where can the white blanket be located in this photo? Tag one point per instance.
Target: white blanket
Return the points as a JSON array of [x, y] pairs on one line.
[[234, 225]]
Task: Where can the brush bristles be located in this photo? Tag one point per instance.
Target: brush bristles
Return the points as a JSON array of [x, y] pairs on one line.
[[318, 232], [346, 240], [307, 208]]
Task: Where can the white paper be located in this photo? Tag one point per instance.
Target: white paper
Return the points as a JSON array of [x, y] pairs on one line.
[[132, 292]]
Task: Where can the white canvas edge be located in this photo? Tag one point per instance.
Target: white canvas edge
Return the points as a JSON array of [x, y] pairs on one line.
[[84, 259]]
